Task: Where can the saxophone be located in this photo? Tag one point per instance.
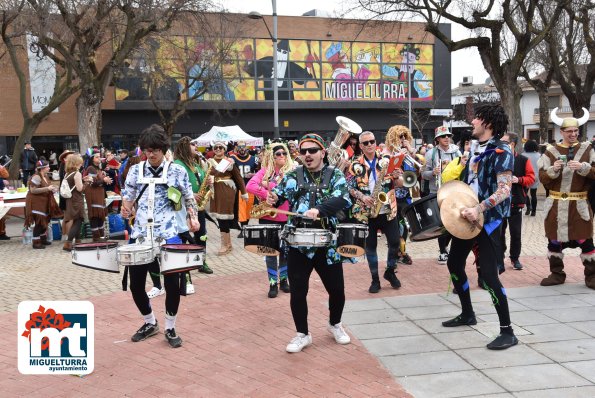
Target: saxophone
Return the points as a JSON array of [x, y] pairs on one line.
[[205, 190], [380, 197]]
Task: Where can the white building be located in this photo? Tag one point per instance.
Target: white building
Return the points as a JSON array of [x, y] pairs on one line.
[[469, 93]]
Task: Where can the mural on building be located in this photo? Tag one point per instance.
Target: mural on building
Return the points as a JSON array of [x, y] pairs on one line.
[[307, 70]]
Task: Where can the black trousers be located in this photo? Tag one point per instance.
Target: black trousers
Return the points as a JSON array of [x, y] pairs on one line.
[[391, 230], [532, 200], [138, 278], [299, 268], [225, 225], [515, 222], [490, 252], [443, 241]]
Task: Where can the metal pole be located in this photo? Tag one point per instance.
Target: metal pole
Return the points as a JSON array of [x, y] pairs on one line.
[[409, 90], [275, 67]]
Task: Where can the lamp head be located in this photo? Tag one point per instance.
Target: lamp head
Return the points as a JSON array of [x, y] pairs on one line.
[[254, 15]]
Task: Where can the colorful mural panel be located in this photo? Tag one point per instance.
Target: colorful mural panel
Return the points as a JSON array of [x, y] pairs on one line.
[[307, 70]]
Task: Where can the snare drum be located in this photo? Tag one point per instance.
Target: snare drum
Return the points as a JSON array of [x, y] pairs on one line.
[[135, 254], [424, 220], [262, 239], [100, 256], [180, 258], [309, 237], [351, 239]]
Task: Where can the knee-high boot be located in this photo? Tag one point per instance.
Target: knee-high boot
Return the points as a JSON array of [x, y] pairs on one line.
[[557, 276], [589, 263], [225, 244]]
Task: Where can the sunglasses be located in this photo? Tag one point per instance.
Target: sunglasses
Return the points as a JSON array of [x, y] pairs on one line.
[[311, 151], [280, 153], [366, 143], [218, 147]]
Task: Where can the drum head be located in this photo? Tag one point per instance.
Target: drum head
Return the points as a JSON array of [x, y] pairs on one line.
[[180, 247], [351, 251], [96, 245]]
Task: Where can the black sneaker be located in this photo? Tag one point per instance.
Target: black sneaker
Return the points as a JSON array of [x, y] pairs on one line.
[[146, 331], [4, 237], [390, 276], [241, 235], [284, 285], [503, 341], [516, 264], [205, 269], [374, 287], [460, 321], [406, 259], [273, 290], [172, 338]]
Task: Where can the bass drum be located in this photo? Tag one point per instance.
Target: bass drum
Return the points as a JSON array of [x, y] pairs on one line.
[[351, 239], [423, 217], [262, 239]]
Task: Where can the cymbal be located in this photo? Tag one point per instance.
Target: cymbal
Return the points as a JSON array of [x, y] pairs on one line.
[[454, 187], [453, 221]]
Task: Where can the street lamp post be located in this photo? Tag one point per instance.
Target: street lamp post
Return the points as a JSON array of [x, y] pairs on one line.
[[273, 35]]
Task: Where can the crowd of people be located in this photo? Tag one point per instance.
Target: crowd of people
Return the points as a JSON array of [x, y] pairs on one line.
[[308, 198]]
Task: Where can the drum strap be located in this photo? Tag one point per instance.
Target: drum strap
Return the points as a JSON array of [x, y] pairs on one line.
[[312, 188]]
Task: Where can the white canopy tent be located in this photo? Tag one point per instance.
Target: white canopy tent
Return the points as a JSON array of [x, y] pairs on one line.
[[227, 133]]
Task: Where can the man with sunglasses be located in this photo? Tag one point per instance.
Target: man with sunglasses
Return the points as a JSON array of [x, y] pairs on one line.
[[567, 170], [247, 165], [437, 159], [318, 192], [363, 175]]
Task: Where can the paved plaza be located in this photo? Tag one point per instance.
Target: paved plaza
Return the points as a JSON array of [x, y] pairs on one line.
[[235, 337]]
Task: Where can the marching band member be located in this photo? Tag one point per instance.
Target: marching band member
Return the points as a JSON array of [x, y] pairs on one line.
[[366, 169], [567, 170], [95, 194], [75, 206], [276, 162], [154, 143], [489, 174], [226, 184], [200, 237], [38, 204], [436, 160], [246, 163], [317, 191]]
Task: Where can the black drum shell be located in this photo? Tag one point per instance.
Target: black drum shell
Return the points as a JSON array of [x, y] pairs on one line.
[[262, 239], [424, 220], [351, 239]]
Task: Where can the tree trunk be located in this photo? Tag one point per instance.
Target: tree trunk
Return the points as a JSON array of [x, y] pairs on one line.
[[577, 104], [510, 95], [29, 128], [89, 122], [544, 115]]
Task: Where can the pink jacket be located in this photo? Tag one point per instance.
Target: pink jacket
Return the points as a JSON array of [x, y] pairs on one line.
[[256, 188]]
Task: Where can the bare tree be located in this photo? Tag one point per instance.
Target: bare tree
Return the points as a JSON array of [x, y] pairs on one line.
[[571, 46], [491, 25], [95, 37], [16, 20]]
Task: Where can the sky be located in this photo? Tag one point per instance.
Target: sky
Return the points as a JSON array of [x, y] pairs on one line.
[[463, 63]]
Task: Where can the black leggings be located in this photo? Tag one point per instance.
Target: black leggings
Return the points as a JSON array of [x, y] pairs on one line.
[[299, 268], [96, 223], [532, 200], [225, 225], [490, 252], [443, 241], [138, 278]]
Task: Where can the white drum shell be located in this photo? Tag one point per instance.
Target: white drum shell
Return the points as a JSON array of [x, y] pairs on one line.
[[131, 255], [310, 237], [177, 261], [101, 259]]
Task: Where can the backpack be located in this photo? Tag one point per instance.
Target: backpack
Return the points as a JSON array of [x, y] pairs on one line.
[[65, 190]]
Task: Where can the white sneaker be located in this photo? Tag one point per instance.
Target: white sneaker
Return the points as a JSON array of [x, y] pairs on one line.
[[442, 258], [299, 342], [190, 289], [341, 336], [154, 292]]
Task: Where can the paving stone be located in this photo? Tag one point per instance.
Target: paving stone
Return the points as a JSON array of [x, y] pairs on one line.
[[572, 314], [403, 345], [433, 312], [534, 377], [583, 368], [416, 301], [482, 358], [434, 326], [567, 351], [587, 327], [385, 330], [572, 392], [365, 305], [375, 316], [521, 318], [551, 332], [573, 288], [492, 329], [530, 291], [462, 339], [485, 307], [552, 302], [446, 385], [424, 363], [587, 297]]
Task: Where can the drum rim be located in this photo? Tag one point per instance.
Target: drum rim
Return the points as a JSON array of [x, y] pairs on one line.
[[422, 200], [95, 245], [176, 271], [174, 247], [96, 268], [352, 225], [263, 226]]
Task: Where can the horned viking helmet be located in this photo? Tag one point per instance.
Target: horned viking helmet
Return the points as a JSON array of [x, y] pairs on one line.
[[569, 121]]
